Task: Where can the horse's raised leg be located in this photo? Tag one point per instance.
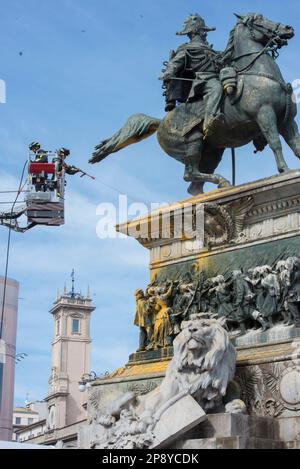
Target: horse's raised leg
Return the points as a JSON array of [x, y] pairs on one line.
[[291, 135], [267, 122]]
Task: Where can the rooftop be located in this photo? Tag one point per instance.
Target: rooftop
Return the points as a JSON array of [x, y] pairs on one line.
[[24, 410]]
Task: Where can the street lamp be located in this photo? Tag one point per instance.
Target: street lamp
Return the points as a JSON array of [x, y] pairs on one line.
[[82, 386], [86, 381]]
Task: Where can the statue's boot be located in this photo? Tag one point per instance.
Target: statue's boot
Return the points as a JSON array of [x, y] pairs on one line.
[[264, 324], [213, 125], [297, 322], [150, 347], [170, 105], [286, 319], [271, 323], [243, 328]]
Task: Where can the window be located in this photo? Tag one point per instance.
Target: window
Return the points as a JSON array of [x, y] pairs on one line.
[[75, 326], [58, 327], [18, 420], [30, 421]]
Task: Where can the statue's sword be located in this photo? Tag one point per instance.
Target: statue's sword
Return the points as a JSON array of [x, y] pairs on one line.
[[176, 78]]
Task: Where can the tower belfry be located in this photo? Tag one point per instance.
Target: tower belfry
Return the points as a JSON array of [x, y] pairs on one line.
[[70, 357]]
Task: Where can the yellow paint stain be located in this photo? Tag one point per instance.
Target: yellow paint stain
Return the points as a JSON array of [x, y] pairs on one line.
[[141, 369]]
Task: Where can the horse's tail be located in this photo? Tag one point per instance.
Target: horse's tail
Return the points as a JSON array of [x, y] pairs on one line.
[[137, 128]]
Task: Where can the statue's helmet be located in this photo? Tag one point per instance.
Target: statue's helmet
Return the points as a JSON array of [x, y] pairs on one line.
[[194, 24]]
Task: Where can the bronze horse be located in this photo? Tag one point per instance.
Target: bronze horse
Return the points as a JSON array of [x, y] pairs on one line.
[[263, 109]]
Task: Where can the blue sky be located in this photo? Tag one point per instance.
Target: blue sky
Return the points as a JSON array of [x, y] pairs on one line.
[[86, 65]]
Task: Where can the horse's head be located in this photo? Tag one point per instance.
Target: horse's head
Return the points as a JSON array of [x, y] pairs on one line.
[[263, 30]]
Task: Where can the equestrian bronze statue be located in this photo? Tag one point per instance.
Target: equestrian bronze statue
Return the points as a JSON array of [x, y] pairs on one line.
[[218, 100]]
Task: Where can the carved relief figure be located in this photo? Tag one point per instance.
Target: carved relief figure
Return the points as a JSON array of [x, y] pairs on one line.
[[293, 297], [243, 300], [143, 319], [162, 331], [284, 278], [223, 298], [267, 289], [271, 285]]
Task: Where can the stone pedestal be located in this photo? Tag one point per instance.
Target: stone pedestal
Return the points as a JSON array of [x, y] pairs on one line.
[[229, 431], [243, 227]]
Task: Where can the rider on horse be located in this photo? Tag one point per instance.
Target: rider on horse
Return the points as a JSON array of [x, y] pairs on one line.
[[193, 73], [258, 107]]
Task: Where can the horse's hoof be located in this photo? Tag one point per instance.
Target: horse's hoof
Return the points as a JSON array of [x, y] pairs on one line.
[[284, 169], [224, 183], [188, 177], [196, 188]]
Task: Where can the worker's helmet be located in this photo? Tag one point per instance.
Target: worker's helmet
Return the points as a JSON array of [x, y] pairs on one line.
[[34, 146], [64, 152]]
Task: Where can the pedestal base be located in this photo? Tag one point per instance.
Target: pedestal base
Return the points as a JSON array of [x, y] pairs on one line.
[[245, 227], [230, 431]]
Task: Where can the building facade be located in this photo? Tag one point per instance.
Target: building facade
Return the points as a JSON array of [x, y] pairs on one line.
[[23, 417], [26, 418], [8, 337], [71, 356], [28, 433]]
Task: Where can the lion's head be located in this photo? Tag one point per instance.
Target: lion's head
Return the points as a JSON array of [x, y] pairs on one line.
[[204, 358]]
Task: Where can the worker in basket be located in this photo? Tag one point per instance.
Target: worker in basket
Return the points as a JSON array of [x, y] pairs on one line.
[[40, 156], [61, 165]]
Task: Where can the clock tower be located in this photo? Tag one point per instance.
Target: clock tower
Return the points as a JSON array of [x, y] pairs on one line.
[[71, 350]]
